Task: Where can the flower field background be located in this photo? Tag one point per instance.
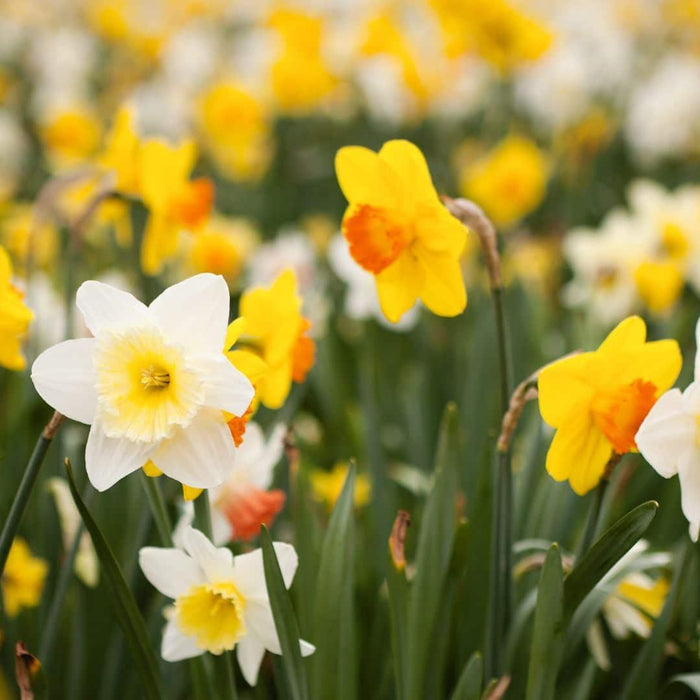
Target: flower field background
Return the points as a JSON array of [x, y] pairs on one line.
[[348, 349]]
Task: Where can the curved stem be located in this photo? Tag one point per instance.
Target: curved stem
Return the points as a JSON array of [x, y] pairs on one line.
[[158, 509], [26, 486]]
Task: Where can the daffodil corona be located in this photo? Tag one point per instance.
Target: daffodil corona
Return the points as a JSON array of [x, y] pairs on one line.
[[153, 382], [398, 230], [220, 603], [597, 400]]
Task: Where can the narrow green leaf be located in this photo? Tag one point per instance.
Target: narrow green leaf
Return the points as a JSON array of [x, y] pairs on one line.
[[127, 612], [690, 680], [471, 679], [642, 679], [334, 675], [285, 620], [433, 553], [612, 545], [548, 633]]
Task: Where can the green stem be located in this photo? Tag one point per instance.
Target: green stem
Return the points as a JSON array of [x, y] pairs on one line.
[[158, 509], [25, 488], [65, 575], [222, 664], [593, 519]]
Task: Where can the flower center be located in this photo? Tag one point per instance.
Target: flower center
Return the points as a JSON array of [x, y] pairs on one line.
[[145, 387], [212, 613], [376, 236], [619, 412]]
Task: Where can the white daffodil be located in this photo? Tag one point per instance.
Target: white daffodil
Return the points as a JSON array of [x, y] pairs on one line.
[[669, 440], [153, 383], [220, 603]]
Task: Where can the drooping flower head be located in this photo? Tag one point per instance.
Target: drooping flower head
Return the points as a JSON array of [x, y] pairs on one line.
[[220, 603], [398, 230], [175, 202], [669, 439], [153, 383], [23, 579], [597, 400], [15, 317], [276, 333]]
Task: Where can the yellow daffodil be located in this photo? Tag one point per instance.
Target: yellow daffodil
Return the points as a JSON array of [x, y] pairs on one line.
[[327, 485], [597, 400], [301, 80], [23, 579], [223, 246], [236, 129], [121, 152], [15, 317], [27, 240], [275, 333], [70, 136], [509, 182], [399, 231], [175, 202]]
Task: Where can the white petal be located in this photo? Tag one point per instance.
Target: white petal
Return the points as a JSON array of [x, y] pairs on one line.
[[215, 562], [225, 387], [106, 307], [195, 312], [107, 460], [666, 433], [200, 455], [64, 376], [689, 475], [260, 622], [306, 648], [697, 351], [176, 646], [170, 570], [250, 652], [250, 575]]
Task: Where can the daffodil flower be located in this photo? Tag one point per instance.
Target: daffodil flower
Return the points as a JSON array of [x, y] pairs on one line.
[[23, 579], [399, 231], [220, 603], [669, 439], [15, 317], [153, 382], [597, 400]]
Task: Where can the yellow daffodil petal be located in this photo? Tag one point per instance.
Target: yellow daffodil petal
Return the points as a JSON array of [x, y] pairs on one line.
[[632, 331], [150, 469], [399, 286], [443, 290], [563, 387], [408, 161], [234, 331], [274, 386], [163, 169], [189, 493], [579, 453], [252, 365], [159, 243], [366, 178]]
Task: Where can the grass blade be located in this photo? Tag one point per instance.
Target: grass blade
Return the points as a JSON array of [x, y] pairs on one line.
[[612, 545], [127, 612], [285, 620], [548, 633], [470, 680]]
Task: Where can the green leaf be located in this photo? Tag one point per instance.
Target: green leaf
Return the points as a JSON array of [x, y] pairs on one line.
[[470, 680], [128, 615], [642, 679], [691, 680], [612, 545], [548, 633], [433, 553], [285, 620], [333, 669]]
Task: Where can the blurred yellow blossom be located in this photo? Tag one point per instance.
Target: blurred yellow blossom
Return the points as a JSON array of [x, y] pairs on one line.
[[15, 317], [659, 284], [327, 485], [223, 247], [275, 332], [301, 80], [70, 136], [23, 579], [120, 153], [509, 182], [236, 130], [398, 229], [535, 262], [597, 400], [27, 240], [175, 202], [496, 30]]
